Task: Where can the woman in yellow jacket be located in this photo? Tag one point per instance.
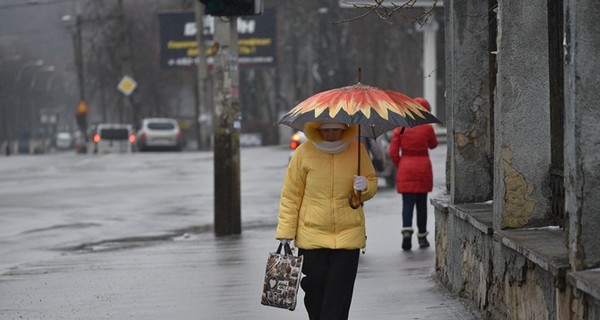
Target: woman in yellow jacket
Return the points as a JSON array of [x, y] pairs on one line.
[[314, 211]]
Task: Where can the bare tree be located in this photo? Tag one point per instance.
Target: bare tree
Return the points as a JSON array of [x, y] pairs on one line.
[[320, 45]]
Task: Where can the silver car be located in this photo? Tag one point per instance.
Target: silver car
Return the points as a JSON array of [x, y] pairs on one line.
[[159, 134]]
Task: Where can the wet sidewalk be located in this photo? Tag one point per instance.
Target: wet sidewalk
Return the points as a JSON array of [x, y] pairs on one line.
[[200, 276], [137, 270]]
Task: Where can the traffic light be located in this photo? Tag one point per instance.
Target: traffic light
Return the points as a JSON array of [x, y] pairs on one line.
[[229, 8]]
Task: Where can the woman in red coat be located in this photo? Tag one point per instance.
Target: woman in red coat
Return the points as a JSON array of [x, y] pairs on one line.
[[410, 152]]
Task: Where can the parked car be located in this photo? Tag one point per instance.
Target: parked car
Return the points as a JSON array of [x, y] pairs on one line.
[[383, 163], [113, 138], [297, 138], [159, 134], [64, 140]]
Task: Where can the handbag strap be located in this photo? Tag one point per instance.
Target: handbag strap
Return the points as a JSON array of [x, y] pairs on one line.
[[286, 248]]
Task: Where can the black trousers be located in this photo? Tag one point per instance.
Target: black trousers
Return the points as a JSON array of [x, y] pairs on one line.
[[328, 282], [409, 201]]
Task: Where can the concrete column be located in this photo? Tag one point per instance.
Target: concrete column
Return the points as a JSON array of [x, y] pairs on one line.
[[582, 116], [468, 105], [430, 62], [522, 153]]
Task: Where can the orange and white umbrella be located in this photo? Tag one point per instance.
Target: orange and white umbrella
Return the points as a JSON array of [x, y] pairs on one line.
[[375, 110]]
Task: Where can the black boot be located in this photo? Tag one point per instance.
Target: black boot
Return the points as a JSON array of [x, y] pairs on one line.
[[407, 238], [422, 237]]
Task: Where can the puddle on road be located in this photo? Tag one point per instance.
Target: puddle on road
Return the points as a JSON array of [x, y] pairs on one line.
[[79, 225], [138, 241]]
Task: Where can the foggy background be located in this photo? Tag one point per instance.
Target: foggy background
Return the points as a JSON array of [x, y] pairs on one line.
[[319, 45]]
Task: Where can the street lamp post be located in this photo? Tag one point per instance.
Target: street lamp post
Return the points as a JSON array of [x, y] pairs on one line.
[[20, 101], [36, 108], [78, 56], [77, 50], [5, 105]]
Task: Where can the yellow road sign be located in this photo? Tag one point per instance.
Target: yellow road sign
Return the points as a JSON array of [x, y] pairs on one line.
[[82, 107], [127, 85]]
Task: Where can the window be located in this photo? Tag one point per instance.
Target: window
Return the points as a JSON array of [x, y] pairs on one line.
[[114, 134], [161, 126]]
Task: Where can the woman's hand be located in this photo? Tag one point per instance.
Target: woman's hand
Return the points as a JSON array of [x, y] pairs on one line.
[[360, 183]]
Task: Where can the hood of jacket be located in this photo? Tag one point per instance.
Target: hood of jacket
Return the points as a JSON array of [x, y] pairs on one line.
[[311, 131]]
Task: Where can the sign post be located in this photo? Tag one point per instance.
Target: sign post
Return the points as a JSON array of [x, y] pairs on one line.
[[81, 118]]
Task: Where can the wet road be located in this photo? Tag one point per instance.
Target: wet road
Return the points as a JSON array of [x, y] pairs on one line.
[[152, 267]]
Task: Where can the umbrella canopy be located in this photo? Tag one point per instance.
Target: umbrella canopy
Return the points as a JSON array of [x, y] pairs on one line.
[[375, 110]]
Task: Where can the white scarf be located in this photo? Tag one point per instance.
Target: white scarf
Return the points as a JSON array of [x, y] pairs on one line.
[[332, 146]]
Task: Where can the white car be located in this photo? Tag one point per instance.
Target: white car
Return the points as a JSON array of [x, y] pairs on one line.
[[64, 140], [159, 134], [113, 138]]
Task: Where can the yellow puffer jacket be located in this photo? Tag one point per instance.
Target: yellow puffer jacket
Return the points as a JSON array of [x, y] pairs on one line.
[[314, 207]]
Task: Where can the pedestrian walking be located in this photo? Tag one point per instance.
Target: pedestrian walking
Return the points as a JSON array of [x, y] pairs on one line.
[[409, 150], [314, 211]]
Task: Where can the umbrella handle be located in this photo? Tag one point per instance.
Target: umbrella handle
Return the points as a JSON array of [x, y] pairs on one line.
[[354, 200]]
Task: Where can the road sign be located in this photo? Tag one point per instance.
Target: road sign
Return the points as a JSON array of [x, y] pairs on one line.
[[127, 85], [82, 108]]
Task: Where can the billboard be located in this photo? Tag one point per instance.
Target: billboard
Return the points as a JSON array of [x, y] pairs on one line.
[[178, 46]]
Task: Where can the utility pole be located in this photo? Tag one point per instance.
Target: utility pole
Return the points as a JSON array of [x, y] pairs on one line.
[[82, 109], [202, 74], [126, 66], [79, 56], [227, 120], [226, 129]]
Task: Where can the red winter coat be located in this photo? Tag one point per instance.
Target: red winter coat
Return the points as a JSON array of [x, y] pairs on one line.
[[409, 151]]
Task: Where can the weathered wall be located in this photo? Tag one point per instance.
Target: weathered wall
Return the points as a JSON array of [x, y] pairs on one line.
[[467, 101], [503, 283], [499, 281], [507, 259], [458, 243], [582, 141], [523, 290], [522, 116]]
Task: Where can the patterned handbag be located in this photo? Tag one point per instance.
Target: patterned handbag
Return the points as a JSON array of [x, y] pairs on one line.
[[282, 279]]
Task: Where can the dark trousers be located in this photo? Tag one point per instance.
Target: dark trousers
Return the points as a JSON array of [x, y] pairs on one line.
[[328, 282], [409, 201]]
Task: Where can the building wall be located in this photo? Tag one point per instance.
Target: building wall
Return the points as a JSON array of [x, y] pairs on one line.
[[582, 115], [522, 116], [497, 242], [467, 101]]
